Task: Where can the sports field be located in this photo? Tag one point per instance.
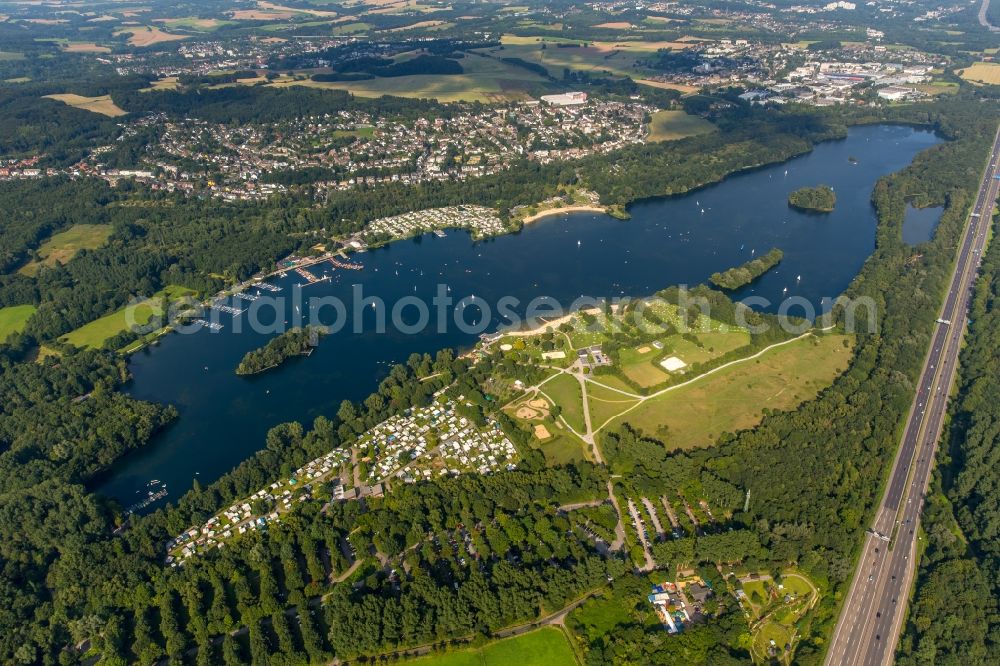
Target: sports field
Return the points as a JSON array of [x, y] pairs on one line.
[[695, 414], [102, 105], [13, 319], [672, 125], [543, 647], [96, 332], [63, 246]]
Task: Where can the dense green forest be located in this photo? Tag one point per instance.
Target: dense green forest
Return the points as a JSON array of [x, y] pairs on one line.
[[740, 276], [955, 614], [820, 199], [293, 342], [466, 555]]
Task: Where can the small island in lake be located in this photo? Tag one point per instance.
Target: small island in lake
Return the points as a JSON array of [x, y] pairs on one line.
[[294, 342], [820, 199], [741, 276]]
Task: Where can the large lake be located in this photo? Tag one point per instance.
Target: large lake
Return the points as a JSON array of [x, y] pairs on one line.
[[678, 240]]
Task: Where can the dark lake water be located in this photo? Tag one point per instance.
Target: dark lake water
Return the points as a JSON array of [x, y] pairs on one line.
[[679, 240], [919, 223]]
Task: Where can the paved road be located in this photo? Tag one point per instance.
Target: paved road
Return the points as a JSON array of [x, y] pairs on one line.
[[870, 622], [984, 19]]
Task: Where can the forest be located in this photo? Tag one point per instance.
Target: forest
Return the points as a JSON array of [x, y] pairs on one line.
[[293, 342], [960, 568], [466, 555], [741, 276], [819, 199]]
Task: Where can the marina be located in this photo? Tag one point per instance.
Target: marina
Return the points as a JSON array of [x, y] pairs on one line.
[[210, 325], [267, 286], [242, 295], [228, 309]]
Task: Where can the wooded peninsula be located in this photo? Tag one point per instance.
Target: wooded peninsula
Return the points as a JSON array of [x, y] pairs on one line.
[[741, 276]]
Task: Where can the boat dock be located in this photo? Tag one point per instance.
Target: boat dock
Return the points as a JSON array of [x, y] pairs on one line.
[[211, 325], [227, 309], [267, 286], [150, 498], [346, 265], [245, 296]]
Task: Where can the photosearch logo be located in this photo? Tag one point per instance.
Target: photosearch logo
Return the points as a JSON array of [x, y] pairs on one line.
[[685, 311]]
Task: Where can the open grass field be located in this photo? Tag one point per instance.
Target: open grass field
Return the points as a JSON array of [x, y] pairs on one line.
[[63, 246], [543, 647], [85, 47], [665, 85], [672, 125], [643, 372], [695, 414], [194, 23], [564, 391], [102, 105], [13, 319], [605, 404], [485, 80], [562, 447], [982, 72], [148, 35], [96, 332]]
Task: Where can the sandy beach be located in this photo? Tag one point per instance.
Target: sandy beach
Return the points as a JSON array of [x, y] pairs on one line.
[[565, 209]]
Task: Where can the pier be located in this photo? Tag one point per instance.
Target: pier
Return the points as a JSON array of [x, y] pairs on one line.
[[346, 265], [267, 286], [227, 309], [211, 325], [246, 297], [150, 498]]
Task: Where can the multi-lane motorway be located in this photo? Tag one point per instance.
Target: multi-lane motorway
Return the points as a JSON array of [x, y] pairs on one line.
[[872, 616]]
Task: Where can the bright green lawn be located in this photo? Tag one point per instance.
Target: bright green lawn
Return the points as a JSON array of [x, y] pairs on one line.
[[13, 319], [671, 125], [564, 390], [543, 647], [733, 398], [96, 332], [605, 404]]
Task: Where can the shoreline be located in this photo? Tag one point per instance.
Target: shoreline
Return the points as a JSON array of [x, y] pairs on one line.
[[582, 208]]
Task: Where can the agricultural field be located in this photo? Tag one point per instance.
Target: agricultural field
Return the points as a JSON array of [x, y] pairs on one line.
[[94, 334], [13, 318], [84, 47], [194, 23], [102, 105], [982, 72], [543, 647], [148, 35], [672, 125], [63, 246], [484, 80], [695, 414]]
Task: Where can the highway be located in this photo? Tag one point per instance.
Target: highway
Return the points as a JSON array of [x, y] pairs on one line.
[[871, 620]]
